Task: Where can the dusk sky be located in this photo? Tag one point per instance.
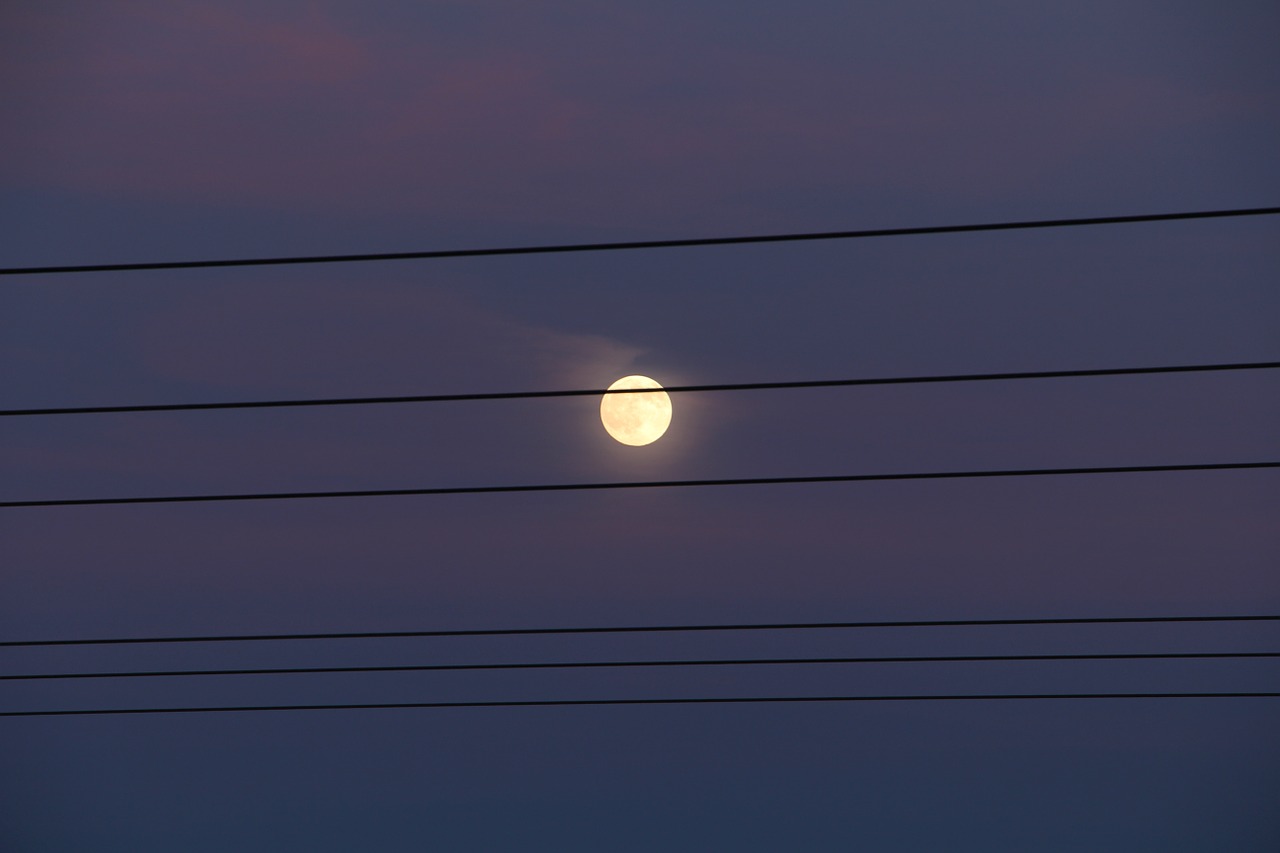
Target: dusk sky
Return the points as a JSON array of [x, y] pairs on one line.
[[157, 131]]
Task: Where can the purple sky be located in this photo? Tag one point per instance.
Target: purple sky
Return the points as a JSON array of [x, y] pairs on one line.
[[138, 131]]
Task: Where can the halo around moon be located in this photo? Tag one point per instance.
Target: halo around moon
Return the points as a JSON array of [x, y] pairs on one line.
[[636, 419]]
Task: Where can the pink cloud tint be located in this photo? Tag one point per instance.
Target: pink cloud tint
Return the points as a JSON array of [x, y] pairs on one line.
[[229, 104]]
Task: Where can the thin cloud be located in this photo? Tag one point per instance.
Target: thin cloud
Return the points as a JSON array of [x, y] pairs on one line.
[[330, 339]]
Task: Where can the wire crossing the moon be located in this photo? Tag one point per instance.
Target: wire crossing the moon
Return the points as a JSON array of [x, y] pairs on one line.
[[673, 389]]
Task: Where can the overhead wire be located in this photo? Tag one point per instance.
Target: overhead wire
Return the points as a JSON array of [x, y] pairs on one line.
[[642, 244], [697, 700], [675, 389], [545, 665], [653, 484], [633, 245], [660, 629]]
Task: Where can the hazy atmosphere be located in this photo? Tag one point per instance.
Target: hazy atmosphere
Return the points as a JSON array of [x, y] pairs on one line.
[[172, 131]]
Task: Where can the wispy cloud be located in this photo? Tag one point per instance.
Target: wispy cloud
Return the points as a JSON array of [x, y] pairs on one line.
[[319, 338]]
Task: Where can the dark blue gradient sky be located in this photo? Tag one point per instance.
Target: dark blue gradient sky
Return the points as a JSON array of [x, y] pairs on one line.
[[179, 130]]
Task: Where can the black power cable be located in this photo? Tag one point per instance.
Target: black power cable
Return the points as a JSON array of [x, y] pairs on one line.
[[594, 392], [645, 244], [653, 629], [472, 667], [698, 700], [656, 484]]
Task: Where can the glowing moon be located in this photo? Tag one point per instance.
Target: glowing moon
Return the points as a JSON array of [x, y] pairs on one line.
[[636, 419]]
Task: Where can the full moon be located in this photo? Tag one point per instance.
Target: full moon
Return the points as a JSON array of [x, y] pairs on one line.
[[636, 419]]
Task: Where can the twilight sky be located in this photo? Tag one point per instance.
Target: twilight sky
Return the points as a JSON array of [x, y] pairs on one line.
[[137, 131]]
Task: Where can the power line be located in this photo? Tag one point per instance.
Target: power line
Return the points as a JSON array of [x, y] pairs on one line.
[[663, 484], [593, 392], [644, 244], [472, 667], [699, 700], [652, 629]]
